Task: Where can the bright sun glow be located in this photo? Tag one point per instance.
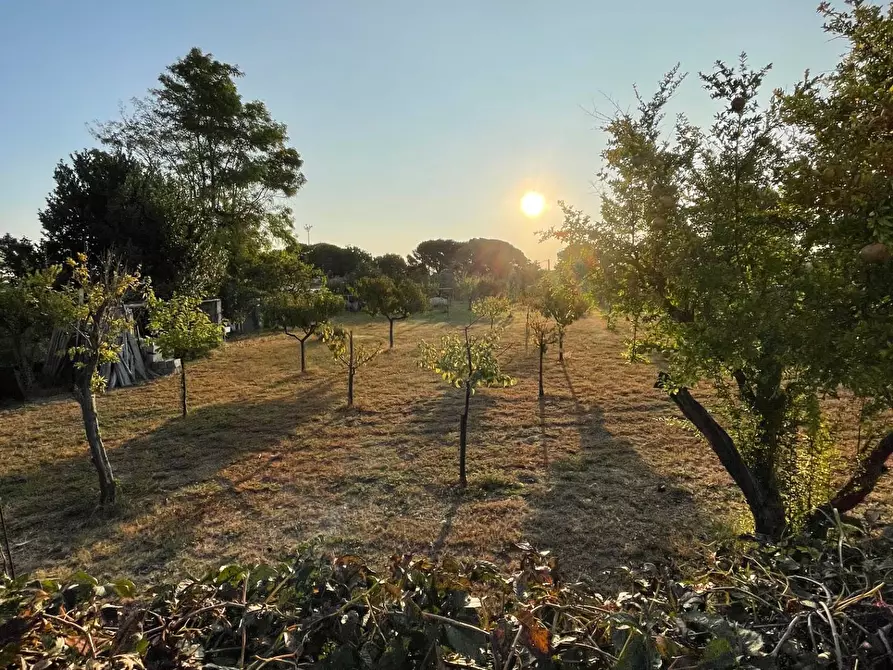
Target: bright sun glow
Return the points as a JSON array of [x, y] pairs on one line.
[[532, 204]]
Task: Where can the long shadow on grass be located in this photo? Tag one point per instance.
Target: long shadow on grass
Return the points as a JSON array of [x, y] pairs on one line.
[[603, 507], [169, 482]]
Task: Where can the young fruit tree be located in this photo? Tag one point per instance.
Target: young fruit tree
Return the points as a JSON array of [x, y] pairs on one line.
[[560, 298], [465, 362], [29, 309], [181, 329], [493, 308], [748, 267], [544, 334], [302, 314], [97, 319], [394, 300], [345, 351]]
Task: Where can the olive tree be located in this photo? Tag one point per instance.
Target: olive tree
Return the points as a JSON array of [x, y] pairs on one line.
[[96, 317], [560, 298], [182, 330], [394, 300], [300, 314], [466, 362], [492, 308], [352, 356]]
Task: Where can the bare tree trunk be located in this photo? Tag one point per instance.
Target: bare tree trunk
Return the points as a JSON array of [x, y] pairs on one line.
[[303, 359], [561, 345], [9, 567], [463, 437], [542, 353], [98, 454], [391, 333], [764, 502], [351, 369], [183, 404]]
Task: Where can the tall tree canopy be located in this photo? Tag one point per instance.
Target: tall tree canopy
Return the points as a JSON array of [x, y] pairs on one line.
[[438, 255], [19, 257], [334, 261], [230, 157], [108, 202]]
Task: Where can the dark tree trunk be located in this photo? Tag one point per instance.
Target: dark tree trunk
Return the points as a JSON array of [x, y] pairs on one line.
[[463, 437], [871, 467], [183, 400], [303, 360], [542, 354], [351, 369], [763, 500], [391, 333], [561, 346], [98, 454]]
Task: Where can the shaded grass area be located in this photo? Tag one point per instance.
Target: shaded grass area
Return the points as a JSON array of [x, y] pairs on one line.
[[269, 459]]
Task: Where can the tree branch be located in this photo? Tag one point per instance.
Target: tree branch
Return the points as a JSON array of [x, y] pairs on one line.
[[767, 509], [871, 467]]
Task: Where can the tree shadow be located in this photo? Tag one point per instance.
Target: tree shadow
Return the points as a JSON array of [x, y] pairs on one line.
[[170, 478], [604, 507]]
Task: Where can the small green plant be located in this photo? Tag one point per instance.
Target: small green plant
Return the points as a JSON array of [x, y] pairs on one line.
[[492, 307], [465, 362], [352, 356], [181, 329], [304, 312], [543, 335], [561, 299], [394, 300]]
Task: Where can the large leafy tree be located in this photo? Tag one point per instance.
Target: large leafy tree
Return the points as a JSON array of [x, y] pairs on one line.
[[350, 263], [302, 313], [182, 330], [738, 246], [439, 255], [465, 362], [109, 203], [19, 257], [230, 156], [392, 265], [393, 300]]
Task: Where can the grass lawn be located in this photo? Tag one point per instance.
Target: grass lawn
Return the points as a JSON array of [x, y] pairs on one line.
[[269, 459]]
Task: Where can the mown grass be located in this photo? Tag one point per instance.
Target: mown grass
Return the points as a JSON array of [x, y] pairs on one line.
[[269, 458]]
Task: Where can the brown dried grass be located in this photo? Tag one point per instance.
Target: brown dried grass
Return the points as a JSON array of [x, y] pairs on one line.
[[269, 458]]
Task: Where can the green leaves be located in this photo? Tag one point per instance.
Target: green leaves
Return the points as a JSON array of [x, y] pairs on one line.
[[304, 310], [471, 360], [181, 328], [390, 298], [492, 307]]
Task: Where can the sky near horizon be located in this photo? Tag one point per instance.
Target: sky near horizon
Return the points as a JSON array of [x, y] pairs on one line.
[[416, 120]]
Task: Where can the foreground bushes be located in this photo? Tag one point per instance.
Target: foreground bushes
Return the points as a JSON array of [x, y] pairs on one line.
[[805, 604]]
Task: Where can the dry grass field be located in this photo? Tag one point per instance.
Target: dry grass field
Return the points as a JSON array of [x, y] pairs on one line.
[[269, 459]]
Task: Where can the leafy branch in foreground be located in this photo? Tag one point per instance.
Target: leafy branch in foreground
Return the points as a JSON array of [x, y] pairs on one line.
[[801, 604], [465, 362], [352, 356]]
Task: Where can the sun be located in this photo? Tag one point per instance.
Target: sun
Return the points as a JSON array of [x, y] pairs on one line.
[[532, 204]]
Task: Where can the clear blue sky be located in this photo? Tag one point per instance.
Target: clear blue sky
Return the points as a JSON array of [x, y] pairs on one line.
[[415, 119]]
